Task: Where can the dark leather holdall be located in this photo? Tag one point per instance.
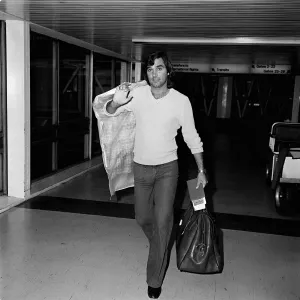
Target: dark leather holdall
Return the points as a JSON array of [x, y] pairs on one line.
[[197, 243]]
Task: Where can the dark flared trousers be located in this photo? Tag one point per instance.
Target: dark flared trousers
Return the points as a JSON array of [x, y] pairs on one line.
[[155, 189]]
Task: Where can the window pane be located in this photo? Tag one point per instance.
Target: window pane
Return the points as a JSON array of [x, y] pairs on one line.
[[41, 97], [73, 123]]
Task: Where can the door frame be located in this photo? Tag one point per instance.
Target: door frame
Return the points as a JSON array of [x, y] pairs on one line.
[[3, 103]]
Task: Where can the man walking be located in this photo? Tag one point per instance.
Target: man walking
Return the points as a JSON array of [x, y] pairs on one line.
[[159, 111]]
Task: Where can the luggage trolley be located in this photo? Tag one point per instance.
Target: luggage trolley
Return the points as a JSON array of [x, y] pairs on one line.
[[283, 167]]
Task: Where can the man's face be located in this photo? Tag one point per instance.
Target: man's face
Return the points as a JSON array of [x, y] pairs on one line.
[[157, 74]]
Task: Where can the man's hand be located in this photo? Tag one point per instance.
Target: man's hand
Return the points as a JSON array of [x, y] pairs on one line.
[[202, 178], [122, 95]]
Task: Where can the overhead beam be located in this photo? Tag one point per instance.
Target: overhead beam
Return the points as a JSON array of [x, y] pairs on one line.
[[80, 43]]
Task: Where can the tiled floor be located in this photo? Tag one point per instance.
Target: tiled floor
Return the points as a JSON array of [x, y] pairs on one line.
[[62, 256], [74, 242]]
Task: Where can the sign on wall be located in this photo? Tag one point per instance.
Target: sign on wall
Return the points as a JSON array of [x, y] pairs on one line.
[[255, 68], [230, 68], [270, 69], [191, 68]]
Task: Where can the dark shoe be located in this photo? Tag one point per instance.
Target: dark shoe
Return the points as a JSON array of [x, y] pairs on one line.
[[154, 293]]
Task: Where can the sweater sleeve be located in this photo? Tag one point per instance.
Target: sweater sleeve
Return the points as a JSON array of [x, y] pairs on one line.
[[189, 132], [121, 109], [99, 106]]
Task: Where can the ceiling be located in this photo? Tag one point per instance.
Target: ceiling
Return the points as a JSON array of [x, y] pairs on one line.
[[112, 24]]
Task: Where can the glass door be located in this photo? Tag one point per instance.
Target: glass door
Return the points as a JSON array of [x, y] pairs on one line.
[[73, 118], [42, 107]]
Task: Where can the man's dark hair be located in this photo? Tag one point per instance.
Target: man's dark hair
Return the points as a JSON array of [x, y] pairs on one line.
[[150, 62]]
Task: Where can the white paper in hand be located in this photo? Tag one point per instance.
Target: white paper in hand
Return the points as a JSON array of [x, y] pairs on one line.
[[197, 196]]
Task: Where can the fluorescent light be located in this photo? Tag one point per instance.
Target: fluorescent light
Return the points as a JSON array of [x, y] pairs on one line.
[[218, 41]]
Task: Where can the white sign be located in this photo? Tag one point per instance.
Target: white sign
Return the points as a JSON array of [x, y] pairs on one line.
[[270, 69], [191, 68], [255, 68], [212, 68], [230, 68]]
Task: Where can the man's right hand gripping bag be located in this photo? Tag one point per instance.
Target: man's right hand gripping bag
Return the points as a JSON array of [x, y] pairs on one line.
[[197, 243]]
